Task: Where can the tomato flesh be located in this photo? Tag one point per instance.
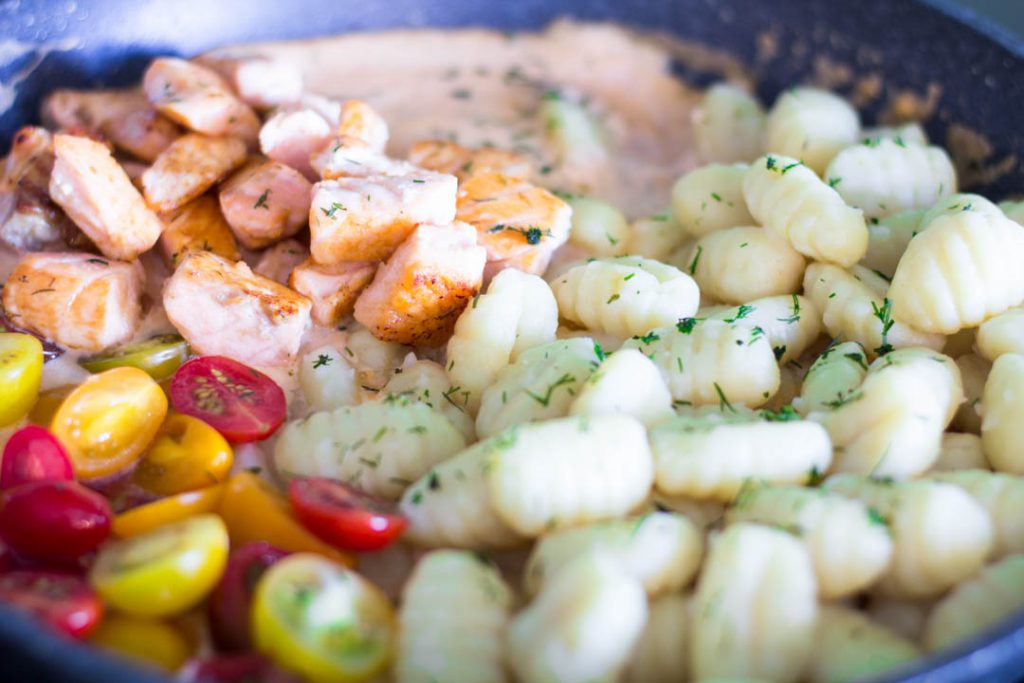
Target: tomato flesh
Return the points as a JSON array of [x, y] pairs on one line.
[[186, 455], [231, 601], [241, 668], [158, 357], [34, 454], [21, 373], [64, 602], [151, 515], [344, 516], [241, 403], [53, 520]]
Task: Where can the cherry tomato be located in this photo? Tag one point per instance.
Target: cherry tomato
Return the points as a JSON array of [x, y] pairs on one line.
[[50, 350], [47, 404], [34, 454], [107, 422], [254, 511], [159, 357], [165, 571], [241, 403], [322, 621], [231, 601], [62, 601], [144, 518], [21, 373], [241, 668], [343, 516], [53, 519], [187, 454], [149, 641]]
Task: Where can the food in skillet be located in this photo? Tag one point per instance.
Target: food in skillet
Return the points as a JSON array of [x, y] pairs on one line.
[[293, 391]]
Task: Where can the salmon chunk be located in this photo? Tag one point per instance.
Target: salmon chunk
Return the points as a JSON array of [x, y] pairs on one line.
[[417, 296], [29, 220], [351, 158], [265, 202], [97, 195], [278, 262], [190, 167], [359, 121], [196, 226], [332, 289], [223, 308], [79, 301], [365, 219], [259, 81], [298, 131], [450, 157], [518, 223], [199, 99], [124, 117]]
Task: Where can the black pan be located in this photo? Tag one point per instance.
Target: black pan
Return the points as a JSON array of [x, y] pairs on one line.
[[911, 44]]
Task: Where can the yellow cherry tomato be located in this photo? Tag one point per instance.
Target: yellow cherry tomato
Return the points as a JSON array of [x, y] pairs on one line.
[[321, 620], [149, 641], [165, 571], [47, 404], [21, 372], [187, 454], [254, 511], [168, 510], [108, 420]]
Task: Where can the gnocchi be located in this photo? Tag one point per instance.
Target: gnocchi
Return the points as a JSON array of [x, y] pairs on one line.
[[729, 124], [812, 125], [710, 198], [736, 265]]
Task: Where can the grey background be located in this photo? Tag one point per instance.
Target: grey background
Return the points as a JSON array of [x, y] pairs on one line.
[[1007, 13]]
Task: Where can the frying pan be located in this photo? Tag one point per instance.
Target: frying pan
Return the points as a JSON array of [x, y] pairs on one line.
[[975, 73]]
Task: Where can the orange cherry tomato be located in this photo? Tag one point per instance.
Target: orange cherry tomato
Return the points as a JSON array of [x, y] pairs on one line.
[[47, 404], [254, 511], [108, 420], [187, 454], [168, 510], [148, 641]]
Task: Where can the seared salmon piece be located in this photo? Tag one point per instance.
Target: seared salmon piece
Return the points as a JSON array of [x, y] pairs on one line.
[[365, 219], [278, 262], [450, 157], [332, 289], [223, 308], [261, 82], [416, 297], [518, 223], [97, 195], [196, 226], [29, 220], [296, 132], [199, 99], [79, 301], [359, 121], [265, 202], [352, 158], [189, 167], [124, 117]]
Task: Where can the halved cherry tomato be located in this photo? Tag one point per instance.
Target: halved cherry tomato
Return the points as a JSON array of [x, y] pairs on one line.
[[344, 516], [321, 620], [241, 403], [144, 518], [47, 404], [64, 602], [187, 454], [106, 423], [165, 571], [56, 520], [230, 603], [254, 511], [34, 454], [241, 668], [149, 641], [21, 373], [159, 357]]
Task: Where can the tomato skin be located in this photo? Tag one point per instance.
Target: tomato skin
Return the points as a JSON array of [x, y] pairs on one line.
[[21, 374], [230, 603], [149, 516], [34, 454], [64, 602], [344, 516], [148, 641], [53, 520], [187, 454], [158, 357], [248, 667]]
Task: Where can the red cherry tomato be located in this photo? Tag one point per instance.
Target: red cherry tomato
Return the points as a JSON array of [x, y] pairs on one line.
[[241, 668], [344, 516], [34, 454], [64, 602], [241, 403], [231, 600], [53, 520]]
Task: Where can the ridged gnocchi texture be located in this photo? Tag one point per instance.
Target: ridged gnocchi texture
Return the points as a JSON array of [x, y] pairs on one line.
[[811, 125], [888, 239], [710, 198], [848, 542], [974, 371], [976, 604], [599, 228], [1002, 496], [833, 378], [787, 198], [655, 237], [790, 323], [425, 381], [908, 133], [886, 176], [960, 452], [625, 296], [736, 265], [756, 608], [706, 457], [851, 647], [327, 380], [582, 626], [451, 624], [379, 447], [1001, 334], [517, 312], [663, 550], [728, 124], [963, 269], [712, 362], [661, 656], [1002, 438], [626, 383], [940, 534]]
